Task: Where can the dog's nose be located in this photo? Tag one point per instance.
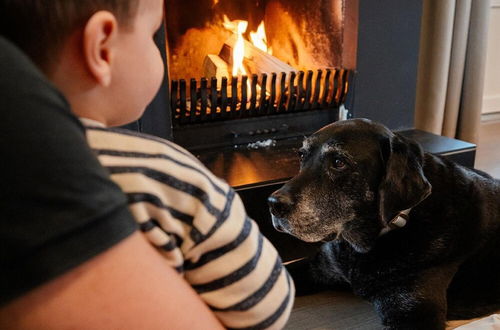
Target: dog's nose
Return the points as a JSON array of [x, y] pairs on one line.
[[279, 203]]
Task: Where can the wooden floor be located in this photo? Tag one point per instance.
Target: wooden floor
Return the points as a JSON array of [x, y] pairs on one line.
[[488, 149], [342, 310], [332, 310]]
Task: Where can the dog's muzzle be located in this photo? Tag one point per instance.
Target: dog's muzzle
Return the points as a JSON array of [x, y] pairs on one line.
[[280, 206], [277, 224]]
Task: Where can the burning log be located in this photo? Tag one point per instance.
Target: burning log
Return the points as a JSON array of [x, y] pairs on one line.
[[214, 66], [256, 60]]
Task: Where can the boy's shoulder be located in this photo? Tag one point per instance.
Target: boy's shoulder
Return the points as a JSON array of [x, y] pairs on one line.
[[130, 144], [121, 139], [139, 151]]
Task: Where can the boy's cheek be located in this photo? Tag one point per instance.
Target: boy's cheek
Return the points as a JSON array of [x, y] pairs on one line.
[[158, 70]]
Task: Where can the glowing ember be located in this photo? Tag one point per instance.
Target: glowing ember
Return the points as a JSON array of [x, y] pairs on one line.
[[259, 38]]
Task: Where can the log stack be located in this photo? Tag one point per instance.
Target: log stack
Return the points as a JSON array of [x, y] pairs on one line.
[[255, 61]]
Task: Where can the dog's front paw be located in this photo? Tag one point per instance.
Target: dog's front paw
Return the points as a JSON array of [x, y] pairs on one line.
[[401, 309]]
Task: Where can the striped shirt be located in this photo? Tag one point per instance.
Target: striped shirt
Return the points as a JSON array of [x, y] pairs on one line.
[[200, 226]]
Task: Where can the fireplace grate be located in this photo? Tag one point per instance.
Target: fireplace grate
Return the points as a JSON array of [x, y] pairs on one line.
[[224, 99]]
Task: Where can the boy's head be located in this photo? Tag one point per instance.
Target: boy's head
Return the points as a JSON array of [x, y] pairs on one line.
[[100, 53]]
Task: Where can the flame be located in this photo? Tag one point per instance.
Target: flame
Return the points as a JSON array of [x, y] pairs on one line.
[[239, 50], [238, 27], [259, 38]]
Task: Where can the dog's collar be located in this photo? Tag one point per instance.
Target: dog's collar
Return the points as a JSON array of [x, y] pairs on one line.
[[399, 221]]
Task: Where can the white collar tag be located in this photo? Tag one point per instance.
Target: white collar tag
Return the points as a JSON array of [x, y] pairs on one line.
[[399, 221]]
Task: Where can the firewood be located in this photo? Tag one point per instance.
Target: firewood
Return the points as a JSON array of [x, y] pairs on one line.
[[214, 66], [255, 60]]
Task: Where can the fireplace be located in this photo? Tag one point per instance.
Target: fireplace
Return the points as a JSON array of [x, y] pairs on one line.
[[373, 47], [256, 72], [245, 118], [355, 58]]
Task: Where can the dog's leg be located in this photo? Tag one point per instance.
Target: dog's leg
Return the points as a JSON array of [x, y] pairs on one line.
[[404, 310], [418, 302]]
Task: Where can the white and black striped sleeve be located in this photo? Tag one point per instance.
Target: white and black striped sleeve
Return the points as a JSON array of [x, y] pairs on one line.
[[200, 225]]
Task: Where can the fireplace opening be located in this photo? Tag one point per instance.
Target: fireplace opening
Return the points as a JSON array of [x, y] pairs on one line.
[[277, 35], [245, 71]]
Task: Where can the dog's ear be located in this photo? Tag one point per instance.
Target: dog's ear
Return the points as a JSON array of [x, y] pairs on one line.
[[404, 185]]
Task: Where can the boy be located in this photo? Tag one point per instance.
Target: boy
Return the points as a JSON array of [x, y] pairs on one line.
[[70, 254], [101, 55]]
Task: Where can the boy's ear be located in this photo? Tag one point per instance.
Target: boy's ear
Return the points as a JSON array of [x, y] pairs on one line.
[[98, 41]]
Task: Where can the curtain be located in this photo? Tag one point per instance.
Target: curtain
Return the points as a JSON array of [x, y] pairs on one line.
[[451, 67]]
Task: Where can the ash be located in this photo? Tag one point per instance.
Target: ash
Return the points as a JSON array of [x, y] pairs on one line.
[[262, 144]]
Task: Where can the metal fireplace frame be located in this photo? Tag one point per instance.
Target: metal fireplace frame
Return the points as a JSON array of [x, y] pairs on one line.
[[296, 105]]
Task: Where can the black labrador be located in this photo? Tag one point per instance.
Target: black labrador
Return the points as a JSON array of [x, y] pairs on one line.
[[414, 233]]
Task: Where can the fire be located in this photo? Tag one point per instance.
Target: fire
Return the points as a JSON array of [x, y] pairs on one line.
[[239, 50], [259, 38], [238, 27]]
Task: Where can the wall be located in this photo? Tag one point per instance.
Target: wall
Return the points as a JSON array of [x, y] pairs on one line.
[[156, 119], [491, 98], [388, 46]]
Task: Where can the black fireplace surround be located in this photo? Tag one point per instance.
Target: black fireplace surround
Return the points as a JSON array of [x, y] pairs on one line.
[[383, 90], [387, 56]]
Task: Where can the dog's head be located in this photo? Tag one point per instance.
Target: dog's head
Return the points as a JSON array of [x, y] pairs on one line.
[[355, 176]]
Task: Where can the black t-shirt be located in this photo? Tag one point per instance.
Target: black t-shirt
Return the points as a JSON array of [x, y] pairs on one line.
[[58, 207]]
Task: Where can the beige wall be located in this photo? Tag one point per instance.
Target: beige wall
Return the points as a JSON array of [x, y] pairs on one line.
[[491, 100]]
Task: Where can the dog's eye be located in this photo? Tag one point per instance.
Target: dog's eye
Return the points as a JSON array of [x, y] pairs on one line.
[[339, 163]]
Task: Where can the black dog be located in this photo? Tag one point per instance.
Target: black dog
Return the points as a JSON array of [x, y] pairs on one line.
[[415, 234]]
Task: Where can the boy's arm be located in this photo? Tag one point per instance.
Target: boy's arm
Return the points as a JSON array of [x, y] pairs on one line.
[[127, 287], [201, 227], [244, 280]]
